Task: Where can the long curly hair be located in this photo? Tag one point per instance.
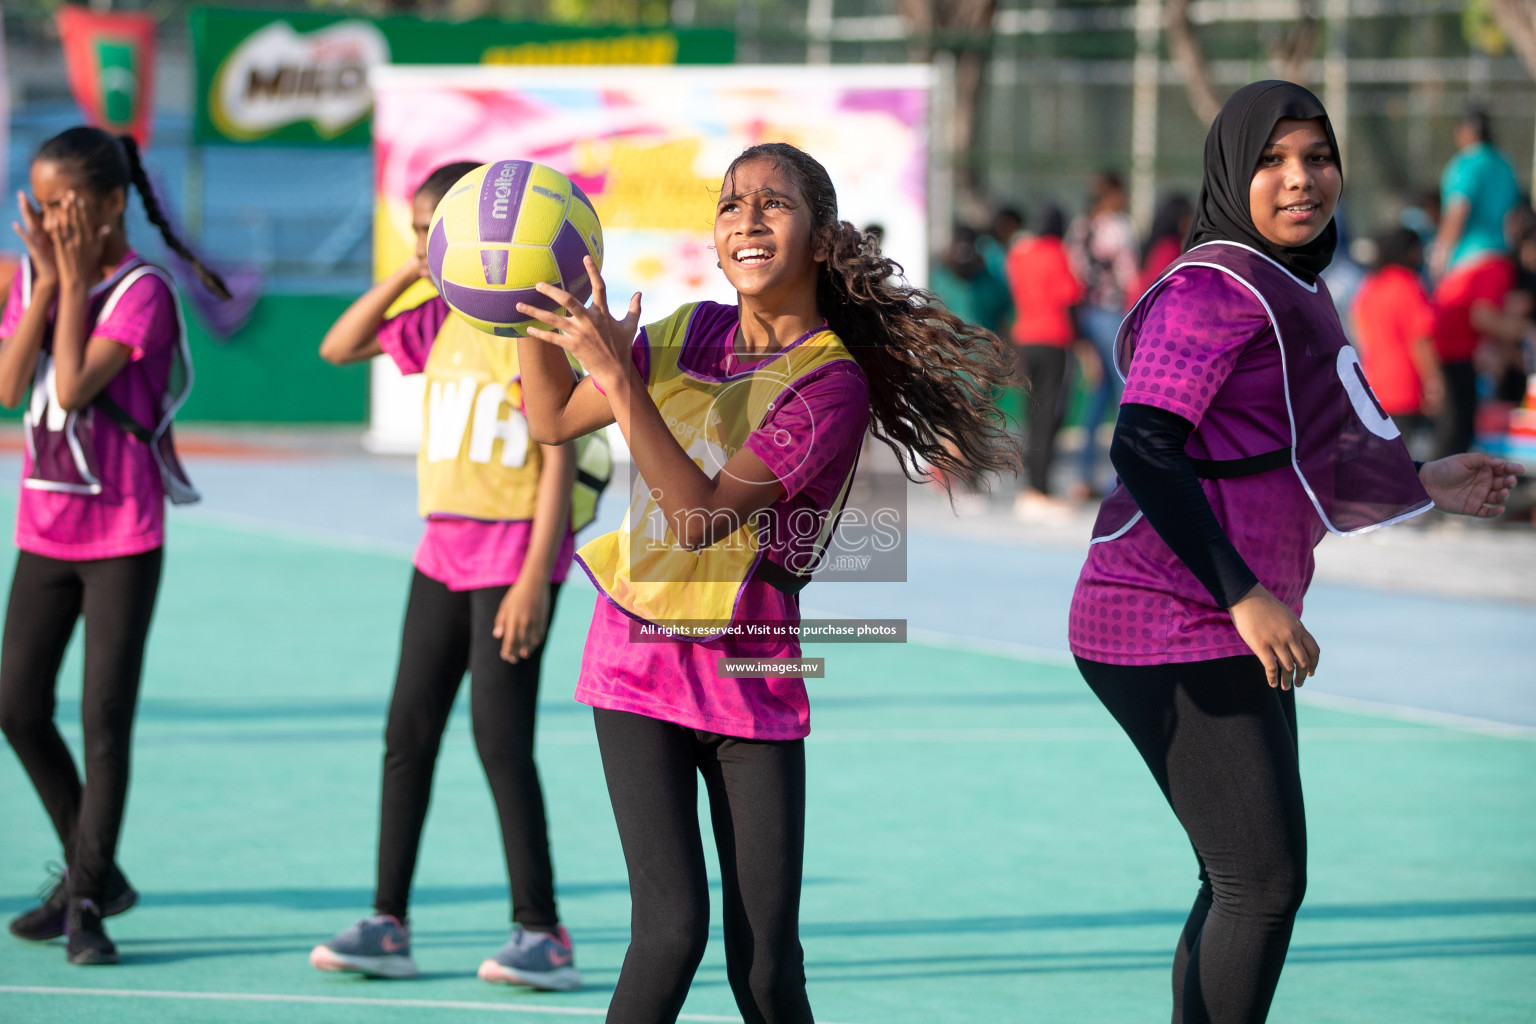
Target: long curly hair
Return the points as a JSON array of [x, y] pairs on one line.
[[933, 378]]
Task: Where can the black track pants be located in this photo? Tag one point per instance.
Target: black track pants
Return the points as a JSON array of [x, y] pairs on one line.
[[1222, 745], [757, 805], [116, 597], [1045, 368], [446, 633]]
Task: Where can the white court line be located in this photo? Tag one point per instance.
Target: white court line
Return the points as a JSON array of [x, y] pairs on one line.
[[1330, 701], [1403, 713], [261, 997], [1109, 734]]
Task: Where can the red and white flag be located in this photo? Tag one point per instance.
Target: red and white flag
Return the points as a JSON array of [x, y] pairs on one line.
[[110, 59]]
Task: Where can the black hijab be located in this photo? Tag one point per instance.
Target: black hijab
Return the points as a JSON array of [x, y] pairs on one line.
[[1232, 151]]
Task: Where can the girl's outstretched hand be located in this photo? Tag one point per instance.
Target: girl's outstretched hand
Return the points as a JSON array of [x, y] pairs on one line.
[[600, 343], [1274, 633], [39, 246], [1470, 484]]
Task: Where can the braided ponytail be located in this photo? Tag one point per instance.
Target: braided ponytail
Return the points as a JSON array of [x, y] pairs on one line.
[[211, 280], [102, 163]]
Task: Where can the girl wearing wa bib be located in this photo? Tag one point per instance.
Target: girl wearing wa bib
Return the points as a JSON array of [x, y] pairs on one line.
[[96, 333], [1247, 432], [497, 544], [744, 423]]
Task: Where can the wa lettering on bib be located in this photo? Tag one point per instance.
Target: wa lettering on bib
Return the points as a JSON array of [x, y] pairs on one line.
[[476, 458]]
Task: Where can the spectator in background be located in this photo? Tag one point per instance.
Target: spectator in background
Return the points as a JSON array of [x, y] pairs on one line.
[[1102, 245], [1472, 268], [1394, 326], [1422, 214], [1044, 291], [959, 278], [993, 247], [1509, 331], [1170, 227]]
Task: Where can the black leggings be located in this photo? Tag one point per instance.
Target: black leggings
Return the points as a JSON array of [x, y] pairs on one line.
[[447, 632], [757, 806], [1044, 367], [1222, 745], [116, 596]]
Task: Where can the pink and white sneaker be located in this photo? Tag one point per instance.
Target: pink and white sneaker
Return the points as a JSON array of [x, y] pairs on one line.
[[541, 960], [378, 946]]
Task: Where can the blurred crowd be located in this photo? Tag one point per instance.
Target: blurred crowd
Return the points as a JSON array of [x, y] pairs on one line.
[[1440, 302]]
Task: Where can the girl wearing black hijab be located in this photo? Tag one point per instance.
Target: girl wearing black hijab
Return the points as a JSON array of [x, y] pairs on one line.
[[1246, 433]]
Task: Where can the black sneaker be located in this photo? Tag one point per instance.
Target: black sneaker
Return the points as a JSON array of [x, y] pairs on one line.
[[87, 941], [46, 920]]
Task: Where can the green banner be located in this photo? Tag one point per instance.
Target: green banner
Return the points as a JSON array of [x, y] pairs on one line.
[[302, 79]]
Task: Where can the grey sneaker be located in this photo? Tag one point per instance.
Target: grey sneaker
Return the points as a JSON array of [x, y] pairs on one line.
[[536, 959], [378, 946]]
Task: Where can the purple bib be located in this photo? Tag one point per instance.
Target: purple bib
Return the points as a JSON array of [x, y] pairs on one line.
[[62, 443], [1346, 451]]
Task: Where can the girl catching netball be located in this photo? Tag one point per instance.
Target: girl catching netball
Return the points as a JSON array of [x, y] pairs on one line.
[[745, 424], [497, 544], [1246, 433], [96, 334]]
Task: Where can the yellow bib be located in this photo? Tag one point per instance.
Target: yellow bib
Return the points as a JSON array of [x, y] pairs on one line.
[[476, 458], [641, 566]]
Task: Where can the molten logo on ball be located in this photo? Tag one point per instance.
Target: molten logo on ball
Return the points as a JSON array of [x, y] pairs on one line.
[[503, 228]]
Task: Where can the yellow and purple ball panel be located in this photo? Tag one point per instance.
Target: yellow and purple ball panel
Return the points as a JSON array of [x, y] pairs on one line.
[[502, 229]]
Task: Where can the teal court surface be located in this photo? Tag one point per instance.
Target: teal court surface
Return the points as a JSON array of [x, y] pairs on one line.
[[984, 845]]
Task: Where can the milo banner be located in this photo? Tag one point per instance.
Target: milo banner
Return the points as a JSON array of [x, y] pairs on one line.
[[298, 78], [110, 60]]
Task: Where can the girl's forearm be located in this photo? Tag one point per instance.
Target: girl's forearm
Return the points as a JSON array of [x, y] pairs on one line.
[[18, 353], [559, 407], [686, 494], [354, 335], [547, 383], [552, 512]]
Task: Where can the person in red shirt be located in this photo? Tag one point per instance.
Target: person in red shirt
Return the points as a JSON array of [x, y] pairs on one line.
[[1394, 325], [1463, 298], [1164, 244], [1044, 291]]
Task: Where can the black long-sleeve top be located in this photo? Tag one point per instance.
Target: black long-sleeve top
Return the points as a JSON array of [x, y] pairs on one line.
[[1148, 454]]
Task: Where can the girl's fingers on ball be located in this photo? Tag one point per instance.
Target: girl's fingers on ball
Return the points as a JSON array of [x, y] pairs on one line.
[[543, 316], [553, 337]]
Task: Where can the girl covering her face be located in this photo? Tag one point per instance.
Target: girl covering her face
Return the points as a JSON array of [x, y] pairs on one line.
[[92, 338]]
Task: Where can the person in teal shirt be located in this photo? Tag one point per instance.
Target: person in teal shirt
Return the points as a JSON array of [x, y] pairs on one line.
[[1477, 191]]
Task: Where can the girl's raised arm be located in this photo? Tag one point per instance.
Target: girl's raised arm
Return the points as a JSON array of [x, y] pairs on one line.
[[701, 508], [355, 334], [18, 353], [559, 407]]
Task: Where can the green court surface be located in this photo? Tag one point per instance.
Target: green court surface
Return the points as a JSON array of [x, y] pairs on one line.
[[983, 846]]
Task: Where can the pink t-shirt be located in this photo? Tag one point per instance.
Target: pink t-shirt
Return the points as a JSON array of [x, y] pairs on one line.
[[463, 553], [128, 516], [675, 680], [1135, 602]]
